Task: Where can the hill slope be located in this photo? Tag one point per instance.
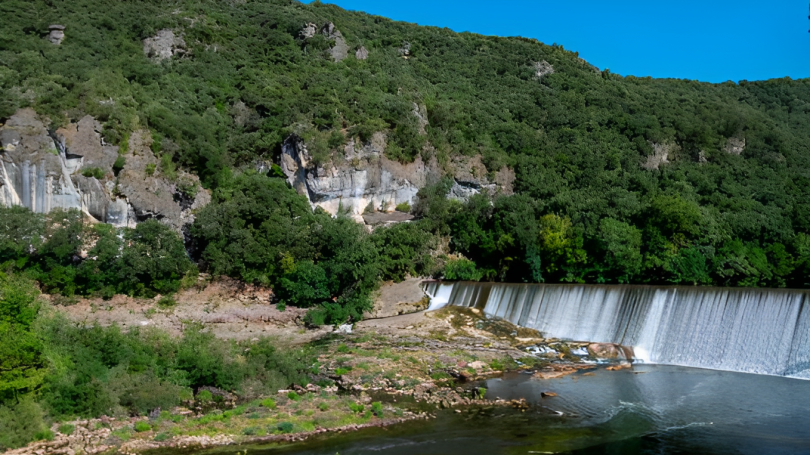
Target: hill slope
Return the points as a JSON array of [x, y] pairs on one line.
[[617, 179]]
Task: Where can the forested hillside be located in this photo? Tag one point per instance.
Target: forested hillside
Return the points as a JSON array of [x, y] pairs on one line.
[[617, 179]]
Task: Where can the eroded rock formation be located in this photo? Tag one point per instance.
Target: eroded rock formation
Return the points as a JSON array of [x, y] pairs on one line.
[[72, 168], [363, 179]]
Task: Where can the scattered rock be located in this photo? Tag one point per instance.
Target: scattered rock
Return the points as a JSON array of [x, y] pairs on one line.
[[405, 50], [164, 45], [308, 31], [56, 34], [548, 394]]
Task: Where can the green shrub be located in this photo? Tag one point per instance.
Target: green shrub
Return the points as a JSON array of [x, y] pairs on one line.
[[340, 371], [150, 169], [462, 270], [204, 396], [269, 403], [67, 429], [93, 172], [356, 408], [293, 396], [142, 426], [21, 423], [119, 164], [323, 406], [167, 301], [377, 409], [285, 427], [250, 431], [404, 207], [163, 436]]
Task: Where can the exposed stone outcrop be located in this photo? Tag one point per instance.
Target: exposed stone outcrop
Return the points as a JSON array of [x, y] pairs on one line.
[[339, 50], [735, 146], [164, 45], [308, 31], [420, 112], [661, 154], [470, 178], [363, 178], [72, 168], [542, 68], [56, 34], [150, 194], [361, 54]]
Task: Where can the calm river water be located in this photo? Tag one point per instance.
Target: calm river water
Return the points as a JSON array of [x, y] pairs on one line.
[[649, 410]]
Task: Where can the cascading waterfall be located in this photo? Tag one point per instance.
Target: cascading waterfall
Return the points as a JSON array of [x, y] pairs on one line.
[[765, 331]]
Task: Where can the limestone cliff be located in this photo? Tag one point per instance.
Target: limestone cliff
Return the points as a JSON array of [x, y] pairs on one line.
[[72, 167], [362, 179]]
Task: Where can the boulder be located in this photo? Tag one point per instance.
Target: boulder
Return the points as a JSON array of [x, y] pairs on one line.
[[56, 33], [610, 351], [361, 54]]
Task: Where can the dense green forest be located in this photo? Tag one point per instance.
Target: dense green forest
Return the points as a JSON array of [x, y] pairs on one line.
[[584, 208]]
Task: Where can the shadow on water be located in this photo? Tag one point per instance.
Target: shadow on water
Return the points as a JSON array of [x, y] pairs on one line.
[[651, 410]]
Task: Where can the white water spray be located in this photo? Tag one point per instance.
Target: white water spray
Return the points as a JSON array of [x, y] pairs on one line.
[[765, 331]]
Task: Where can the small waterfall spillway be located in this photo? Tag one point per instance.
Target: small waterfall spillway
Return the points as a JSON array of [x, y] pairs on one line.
[[764, 331]]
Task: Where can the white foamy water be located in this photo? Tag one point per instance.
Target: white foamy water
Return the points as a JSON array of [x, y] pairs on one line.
[[764, 331]]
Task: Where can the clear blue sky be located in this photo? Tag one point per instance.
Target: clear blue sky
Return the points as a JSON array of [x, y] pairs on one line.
[[708, 40]]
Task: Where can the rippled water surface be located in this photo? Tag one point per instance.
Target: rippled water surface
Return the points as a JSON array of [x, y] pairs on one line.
[[650, 410]]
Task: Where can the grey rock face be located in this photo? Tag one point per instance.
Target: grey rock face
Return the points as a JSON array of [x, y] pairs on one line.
[[164, 45], [154, 196], [735, 146], [340, 50], [363, 178], [56, 34], [44, 172], [420, 112], [542, 68], [661, 153], [309, 31], [470, 177]]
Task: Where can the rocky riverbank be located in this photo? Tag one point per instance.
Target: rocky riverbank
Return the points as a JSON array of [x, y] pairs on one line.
[[383, 372]]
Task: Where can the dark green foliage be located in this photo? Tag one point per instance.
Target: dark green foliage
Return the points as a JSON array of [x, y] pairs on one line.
[[153, 262], [259, 230]]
